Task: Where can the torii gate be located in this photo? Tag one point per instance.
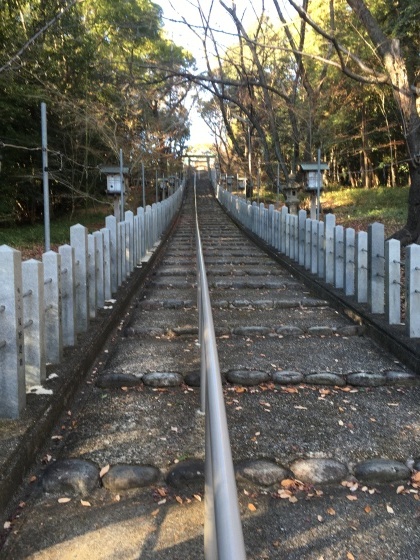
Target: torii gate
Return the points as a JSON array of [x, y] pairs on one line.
[[199, 157]]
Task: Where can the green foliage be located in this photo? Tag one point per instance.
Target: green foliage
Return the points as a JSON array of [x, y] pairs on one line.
[[104, 70]]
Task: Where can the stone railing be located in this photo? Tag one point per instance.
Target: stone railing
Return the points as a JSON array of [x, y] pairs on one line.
[[361, 264], [45, 304]]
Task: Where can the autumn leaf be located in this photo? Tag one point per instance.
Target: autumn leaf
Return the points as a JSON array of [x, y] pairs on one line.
[[291, 390], [251, 507], [63, 500], [85, 503], [351, 497], [7, 525], [197, 497], [389, 509], [331, 511], [179, 499], [350, 556], [288, 483], [368, 509], [416, 477], [293, 499], [320, 518], [104, 470], [155, 512], [400, 489]]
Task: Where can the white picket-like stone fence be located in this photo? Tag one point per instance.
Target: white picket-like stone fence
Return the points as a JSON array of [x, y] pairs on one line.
[[45, 305], [361, 264]]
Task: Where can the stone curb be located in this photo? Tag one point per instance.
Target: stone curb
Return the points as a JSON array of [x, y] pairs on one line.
[[257, 330], [81, 477], [244, 377]]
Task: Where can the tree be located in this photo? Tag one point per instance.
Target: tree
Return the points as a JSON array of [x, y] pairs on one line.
[[391, 44], [95, 64]]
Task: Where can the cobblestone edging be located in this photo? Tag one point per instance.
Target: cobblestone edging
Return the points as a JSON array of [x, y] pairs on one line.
[[78, 477], [249, 378]]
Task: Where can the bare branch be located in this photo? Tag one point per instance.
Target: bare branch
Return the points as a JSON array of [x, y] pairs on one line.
[[38, 34]]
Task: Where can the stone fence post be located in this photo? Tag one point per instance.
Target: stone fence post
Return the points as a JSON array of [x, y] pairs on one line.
[[412, 271], [92, 266], [52, 298], [349, 261], [361, 267], [111, 225], [68, 294], [34, 321], [329, 248], [12, 358], [376, 267], [79, 241], [100, 279], [393, 281]]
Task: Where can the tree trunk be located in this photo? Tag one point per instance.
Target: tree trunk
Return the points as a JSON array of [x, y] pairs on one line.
[[405, 97]]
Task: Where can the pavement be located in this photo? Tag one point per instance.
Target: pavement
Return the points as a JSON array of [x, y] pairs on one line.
[[272, 320]]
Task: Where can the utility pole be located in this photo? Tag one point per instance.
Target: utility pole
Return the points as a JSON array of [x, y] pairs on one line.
[[122, 187], [143, 185], [45, 181]]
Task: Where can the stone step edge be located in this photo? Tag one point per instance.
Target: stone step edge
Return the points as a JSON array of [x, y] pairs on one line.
[[234, 304], [251, 378], [257, 330], [81, 477]]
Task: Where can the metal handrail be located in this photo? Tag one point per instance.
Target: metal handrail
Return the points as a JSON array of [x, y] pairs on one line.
[[223, 535]]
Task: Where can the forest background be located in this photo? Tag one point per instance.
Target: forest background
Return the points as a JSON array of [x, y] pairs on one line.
[[342, 76]]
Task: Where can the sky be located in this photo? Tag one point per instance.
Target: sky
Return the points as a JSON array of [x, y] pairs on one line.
[[173, 13]]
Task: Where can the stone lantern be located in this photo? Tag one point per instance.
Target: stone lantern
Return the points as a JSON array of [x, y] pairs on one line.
[[312, 181], [291, 193]]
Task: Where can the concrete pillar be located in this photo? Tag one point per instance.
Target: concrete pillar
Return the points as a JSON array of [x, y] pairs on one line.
[[361, 279], [34, 321], [393, 282], [412, 296], [339, 257], [100, 277], [129, 219], [321, 249], [68, 294], [329, 248], [314, 246], [308, 243], [376, 267], [111, 225], [349, 261], [106, 235], [302, 236], [52, 299], [79, 242], [92, 271], [121, 253], [12, 358]]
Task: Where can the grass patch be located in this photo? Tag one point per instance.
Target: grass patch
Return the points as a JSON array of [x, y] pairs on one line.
[[358, 208], [29, 239]]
